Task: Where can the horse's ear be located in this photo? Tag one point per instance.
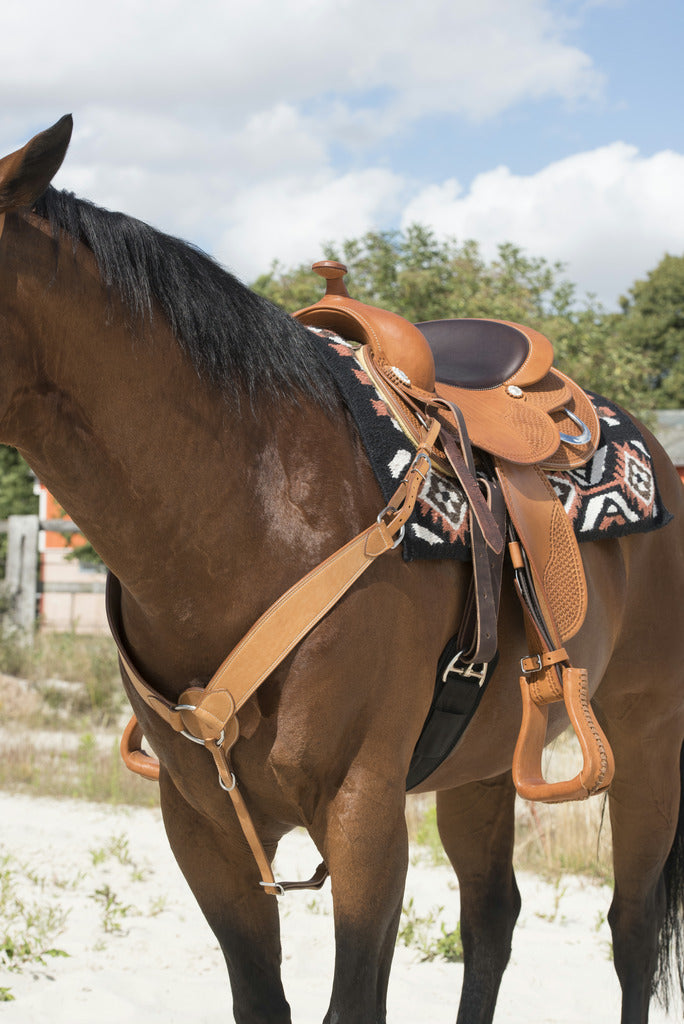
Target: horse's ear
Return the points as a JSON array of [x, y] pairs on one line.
[[26, 174]]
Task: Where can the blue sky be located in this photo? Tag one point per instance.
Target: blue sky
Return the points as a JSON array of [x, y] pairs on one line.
[[261, 131]]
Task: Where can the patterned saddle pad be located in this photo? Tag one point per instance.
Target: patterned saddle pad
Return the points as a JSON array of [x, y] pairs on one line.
[[614, 494]]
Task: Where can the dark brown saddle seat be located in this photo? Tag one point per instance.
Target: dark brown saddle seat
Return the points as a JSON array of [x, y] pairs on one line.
[[478, 354]]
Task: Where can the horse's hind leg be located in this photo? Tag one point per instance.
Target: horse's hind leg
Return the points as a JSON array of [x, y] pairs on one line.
[[476, 826], [644, 807]]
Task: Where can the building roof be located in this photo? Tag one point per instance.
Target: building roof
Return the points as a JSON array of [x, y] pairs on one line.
[[669, 429]]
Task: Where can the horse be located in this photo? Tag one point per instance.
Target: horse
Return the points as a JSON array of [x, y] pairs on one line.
[[193, 434]]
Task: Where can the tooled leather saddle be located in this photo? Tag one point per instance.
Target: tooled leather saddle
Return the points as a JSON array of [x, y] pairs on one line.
[[492, 383]]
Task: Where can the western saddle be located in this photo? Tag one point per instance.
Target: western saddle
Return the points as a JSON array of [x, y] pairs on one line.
[[448, 383]]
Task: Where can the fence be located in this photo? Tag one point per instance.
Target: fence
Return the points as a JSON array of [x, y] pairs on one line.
[[23, 588]]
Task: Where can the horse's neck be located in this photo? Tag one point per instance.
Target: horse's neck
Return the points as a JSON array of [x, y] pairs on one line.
[[205, 512], [147, 460]]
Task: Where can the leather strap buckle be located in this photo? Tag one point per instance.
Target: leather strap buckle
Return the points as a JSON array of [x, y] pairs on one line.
[[279, 891], [421, 456], [537, 662], [475, 670], [525, 665], [390, 510]]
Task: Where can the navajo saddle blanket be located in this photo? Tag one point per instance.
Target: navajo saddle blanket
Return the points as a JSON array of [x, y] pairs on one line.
[[613, 494]]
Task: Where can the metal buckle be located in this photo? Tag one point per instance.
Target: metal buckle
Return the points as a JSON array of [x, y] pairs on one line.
[[475, 670], [531, 671], [580, 438], [273, 885], [400, 536], [416, 461]]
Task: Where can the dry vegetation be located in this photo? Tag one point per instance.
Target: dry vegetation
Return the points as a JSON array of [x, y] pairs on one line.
[[62, 708], [550, 839]]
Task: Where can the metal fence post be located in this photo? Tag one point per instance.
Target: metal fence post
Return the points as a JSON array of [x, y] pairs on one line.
[[22, 572]]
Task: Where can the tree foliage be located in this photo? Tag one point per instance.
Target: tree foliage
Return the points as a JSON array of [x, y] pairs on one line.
[[17, 495], [653, 323], [423, 278]]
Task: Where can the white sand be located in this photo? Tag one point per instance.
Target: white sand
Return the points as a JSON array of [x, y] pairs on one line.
[[164, 967]]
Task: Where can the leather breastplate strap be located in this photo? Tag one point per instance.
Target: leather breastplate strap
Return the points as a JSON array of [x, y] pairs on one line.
[[208, 715]]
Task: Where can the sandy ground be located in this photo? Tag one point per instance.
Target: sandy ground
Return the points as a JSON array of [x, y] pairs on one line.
[[161, 964]]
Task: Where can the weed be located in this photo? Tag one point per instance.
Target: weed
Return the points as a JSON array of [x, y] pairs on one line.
[[117, 849], [447, 946], [557, 897], [6, 995], [314, 906], [87, 689], [157, 906], [98, 856], [113, 910], [600, 921], [418, 932], [28, 930]]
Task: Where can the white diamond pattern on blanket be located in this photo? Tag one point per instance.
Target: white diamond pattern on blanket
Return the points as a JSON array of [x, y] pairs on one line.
[[444, 504], [639, 479]]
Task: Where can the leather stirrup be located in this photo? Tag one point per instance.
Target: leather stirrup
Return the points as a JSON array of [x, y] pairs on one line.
[[598, 766]]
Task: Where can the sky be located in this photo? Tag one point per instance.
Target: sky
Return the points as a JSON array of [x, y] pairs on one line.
[[261, 130]]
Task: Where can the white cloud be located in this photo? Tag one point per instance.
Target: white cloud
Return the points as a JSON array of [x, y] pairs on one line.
[[609, 214], [242, 126], [475, 59], [290, 223]]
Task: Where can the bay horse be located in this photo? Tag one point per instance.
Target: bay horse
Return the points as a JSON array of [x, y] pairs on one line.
[[192, 433]]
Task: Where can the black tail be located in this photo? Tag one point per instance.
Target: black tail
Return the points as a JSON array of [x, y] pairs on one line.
[[669, 975]]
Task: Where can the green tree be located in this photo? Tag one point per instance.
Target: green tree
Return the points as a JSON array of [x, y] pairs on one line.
[[424, 278], [17, 485], [17, 496], [653, 324]]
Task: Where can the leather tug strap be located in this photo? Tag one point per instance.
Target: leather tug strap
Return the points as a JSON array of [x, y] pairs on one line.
[[208, 715]]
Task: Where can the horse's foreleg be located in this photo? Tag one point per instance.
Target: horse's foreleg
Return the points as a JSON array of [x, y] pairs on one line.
[[366, 849], [222, 874], [476, 826]]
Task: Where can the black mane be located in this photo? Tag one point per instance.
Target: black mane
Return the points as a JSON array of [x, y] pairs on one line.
[[233, 337]]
